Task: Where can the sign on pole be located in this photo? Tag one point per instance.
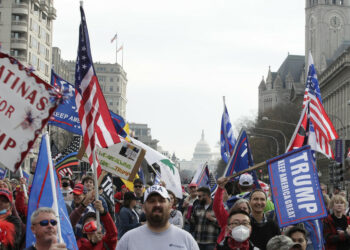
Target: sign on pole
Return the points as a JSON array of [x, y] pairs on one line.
[[122, 159], [25, 108], [295, 187]]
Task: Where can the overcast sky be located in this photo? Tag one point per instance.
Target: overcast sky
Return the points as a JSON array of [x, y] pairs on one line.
[[182, 56]]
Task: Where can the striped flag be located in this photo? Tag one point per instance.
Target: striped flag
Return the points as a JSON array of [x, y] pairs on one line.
[[202, 177], [115, 37], [120, 48], [64, 166], [95, 120], [314, 127]]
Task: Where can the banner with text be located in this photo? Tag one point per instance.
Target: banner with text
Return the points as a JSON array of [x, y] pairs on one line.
[[122, 159], [26, 103], [295, 187]]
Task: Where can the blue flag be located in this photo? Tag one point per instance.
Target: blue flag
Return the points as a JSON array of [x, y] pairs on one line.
[[3, 172], [241, 158], [201, 177], [227, 139], [295, 187], [66, 115], [315, 228], [41, 195], [26, 176]]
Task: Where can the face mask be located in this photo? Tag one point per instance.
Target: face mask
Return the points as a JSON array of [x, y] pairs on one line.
[[240, 233], [3, 211], [65, 184]]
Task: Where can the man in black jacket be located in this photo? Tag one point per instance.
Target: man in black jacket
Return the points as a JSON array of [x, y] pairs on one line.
[[263, 229]]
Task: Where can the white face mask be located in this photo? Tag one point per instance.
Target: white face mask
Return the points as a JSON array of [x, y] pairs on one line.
[[240, 233]]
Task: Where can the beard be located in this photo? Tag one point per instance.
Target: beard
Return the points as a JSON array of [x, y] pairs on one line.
[[158, 217]]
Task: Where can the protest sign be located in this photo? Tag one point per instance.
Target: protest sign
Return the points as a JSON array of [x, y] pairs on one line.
[[122, 159], [26, 103], [295, 187]]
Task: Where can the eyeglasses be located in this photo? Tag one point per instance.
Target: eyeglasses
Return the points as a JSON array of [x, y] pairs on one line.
[[236, 223], [45, 223], [137, 186]]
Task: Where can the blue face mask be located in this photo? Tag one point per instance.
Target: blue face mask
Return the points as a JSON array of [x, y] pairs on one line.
[[3, 211]]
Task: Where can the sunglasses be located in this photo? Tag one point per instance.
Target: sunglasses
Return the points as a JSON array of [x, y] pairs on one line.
[[138, 186], [45, 223]]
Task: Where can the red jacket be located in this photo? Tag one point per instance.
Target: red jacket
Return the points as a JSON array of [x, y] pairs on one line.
[[117, 204], [220, 213], [21, 207], [331, 235], [110, 239]]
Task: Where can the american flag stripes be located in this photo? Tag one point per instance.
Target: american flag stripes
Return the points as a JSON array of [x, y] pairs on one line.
[[96, 122], [314, 127]]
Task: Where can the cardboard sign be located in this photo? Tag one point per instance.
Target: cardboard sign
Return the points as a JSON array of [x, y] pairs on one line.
[[25, 108], [295, 187], [122, 159]]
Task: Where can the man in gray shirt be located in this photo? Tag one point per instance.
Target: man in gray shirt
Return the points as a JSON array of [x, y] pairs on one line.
[[157, 233]]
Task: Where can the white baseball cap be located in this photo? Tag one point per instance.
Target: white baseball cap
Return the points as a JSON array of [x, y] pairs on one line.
[[246, 180], [156, 189]]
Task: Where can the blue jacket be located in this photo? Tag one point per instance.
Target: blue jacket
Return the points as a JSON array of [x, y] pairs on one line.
[[128, 220]]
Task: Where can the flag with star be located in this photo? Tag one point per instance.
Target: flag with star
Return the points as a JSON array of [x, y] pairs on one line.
[[65, 116], [95, 119]]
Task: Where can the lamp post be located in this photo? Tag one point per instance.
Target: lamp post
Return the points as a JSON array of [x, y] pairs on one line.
[[265, 118], [269, 136], [278, 131]]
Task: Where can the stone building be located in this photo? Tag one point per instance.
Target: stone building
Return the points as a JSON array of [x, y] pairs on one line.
[[284, 86], [26, 32], [111, 76]]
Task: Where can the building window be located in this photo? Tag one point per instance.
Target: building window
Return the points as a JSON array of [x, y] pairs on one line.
[[111, 88], [118, 89], [111, 103], [111, 79]]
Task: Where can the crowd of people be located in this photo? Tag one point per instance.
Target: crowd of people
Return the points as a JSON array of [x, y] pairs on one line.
[[238, 216]]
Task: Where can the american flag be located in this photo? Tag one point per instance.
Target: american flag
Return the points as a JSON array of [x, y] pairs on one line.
[[96, 122], [314, 127]]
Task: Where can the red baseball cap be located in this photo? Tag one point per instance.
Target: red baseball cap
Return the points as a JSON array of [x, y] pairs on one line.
[[192, 185], [5, 192], [79, 189]]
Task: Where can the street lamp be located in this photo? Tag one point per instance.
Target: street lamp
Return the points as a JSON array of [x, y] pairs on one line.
[[269, 136], [278, 131], [265, 118], [341, 122]]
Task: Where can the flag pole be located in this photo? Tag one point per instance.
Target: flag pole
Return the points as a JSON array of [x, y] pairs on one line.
[[259, 165], [53, 187], [96, 185], [116, 49], [23, 185], [123, 56], [225, 132]]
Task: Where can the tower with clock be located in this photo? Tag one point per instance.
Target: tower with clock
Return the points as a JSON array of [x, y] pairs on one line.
[[327, 27]]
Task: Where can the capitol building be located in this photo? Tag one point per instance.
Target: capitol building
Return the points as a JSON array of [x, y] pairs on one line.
[[202, 153]]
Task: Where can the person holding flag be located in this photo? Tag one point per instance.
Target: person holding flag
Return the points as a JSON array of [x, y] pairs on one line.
[[44, 227]]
